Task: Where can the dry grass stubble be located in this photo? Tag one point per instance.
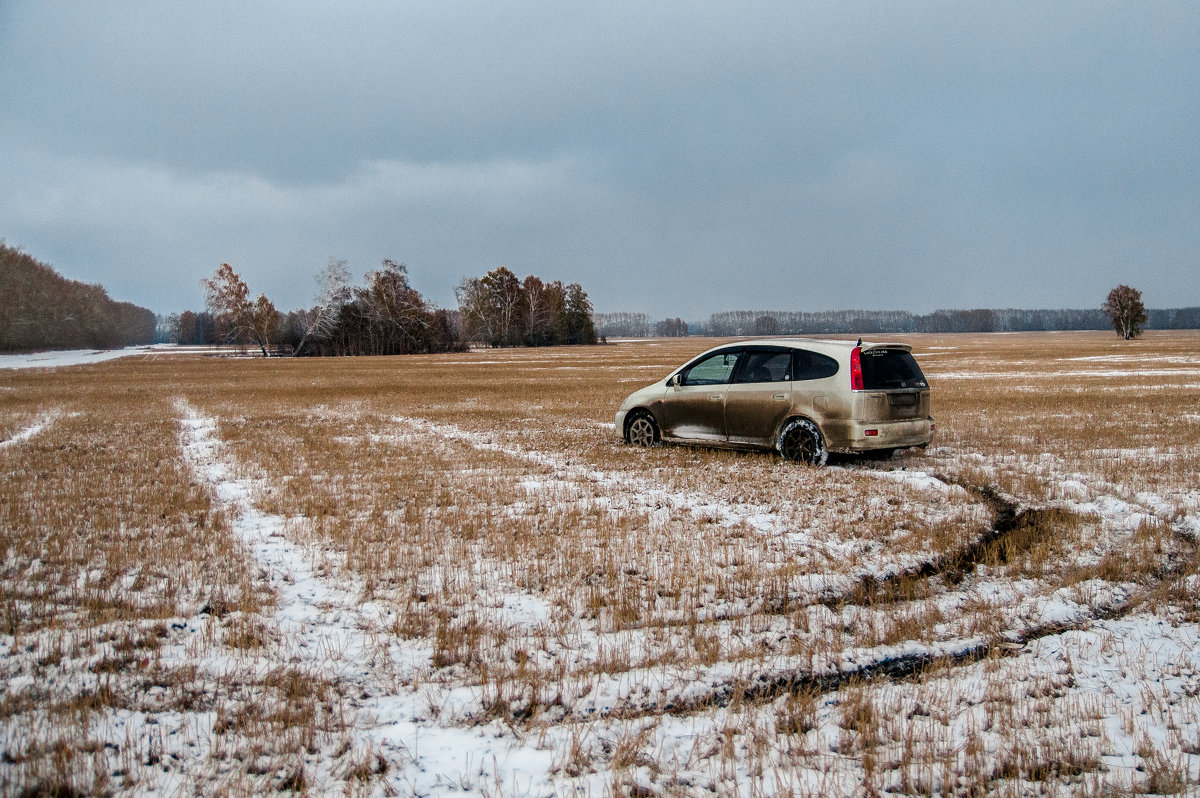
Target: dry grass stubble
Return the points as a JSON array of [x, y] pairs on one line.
[[484, 499]]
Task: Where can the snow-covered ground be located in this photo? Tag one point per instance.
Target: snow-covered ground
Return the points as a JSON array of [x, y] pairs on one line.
[[326, 625], [67, 357], [61, 358], [25, 433], [1094, 674]]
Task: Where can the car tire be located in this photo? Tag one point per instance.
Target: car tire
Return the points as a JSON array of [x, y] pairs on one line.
[[800, 441], [641, 430]]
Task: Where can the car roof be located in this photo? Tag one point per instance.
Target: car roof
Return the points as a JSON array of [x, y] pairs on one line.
[[824, 345]]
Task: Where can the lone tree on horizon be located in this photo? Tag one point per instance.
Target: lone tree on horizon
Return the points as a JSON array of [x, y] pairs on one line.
[[1124, 306]]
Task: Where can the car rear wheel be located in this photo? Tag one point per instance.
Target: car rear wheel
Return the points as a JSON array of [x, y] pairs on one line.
[[641, 431], [801, 442]]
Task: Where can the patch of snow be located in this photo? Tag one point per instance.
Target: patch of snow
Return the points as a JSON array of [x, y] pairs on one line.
[[62, 358], [67, 357], [1115, 373], [1138, 358], [42, 422]]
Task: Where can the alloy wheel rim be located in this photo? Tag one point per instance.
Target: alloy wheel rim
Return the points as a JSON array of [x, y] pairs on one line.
[[801, 446], [641, 433]]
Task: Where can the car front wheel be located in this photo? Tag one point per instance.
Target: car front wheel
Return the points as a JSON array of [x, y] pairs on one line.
[[642, 430]]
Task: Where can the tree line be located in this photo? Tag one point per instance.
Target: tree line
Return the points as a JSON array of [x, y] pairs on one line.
[[639, 325], [852, 322], [41, 309], [387, 316]]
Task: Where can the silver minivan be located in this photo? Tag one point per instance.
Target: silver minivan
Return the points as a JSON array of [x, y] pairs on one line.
[[801, 397]]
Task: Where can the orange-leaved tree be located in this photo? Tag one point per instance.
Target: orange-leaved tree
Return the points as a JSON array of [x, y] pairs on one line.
[[228, 299]]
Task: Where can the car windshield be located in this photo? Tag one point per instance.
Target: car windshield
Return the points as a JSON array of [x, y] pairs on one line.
[[890, 368]]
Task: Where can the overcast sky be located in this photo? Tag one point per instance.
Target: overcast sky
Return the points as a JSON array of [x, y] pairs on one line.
[[675, 158]]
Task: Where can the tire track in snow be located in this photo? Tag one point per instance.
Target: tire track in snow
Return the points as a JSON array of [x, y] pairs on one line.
[[1116, 503], [327, 626], [659, 504], [655, 501], [900, 662], [662, 504], [43, 422], [325, 622], [692, 690], [954, 565]]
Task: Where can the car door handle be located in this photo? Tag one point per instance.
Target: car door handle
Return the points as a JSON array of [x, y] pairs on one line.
[[780, 396], [716, 396]]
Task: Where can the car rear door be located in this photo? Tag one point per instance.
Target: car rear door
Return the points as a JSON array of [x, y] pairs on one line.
[[759, 395]]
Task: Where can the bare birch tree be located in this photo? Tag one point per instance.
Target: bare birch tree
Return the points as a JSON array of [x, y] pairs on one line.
[[333, 292]]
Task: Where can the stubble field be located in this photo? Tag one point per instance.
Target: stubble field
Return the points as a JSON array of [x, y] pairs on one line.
[[445, 575]]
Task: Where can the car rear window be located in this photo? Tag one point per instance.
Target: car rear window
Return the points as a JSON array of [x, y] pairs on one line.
[[890, 368]]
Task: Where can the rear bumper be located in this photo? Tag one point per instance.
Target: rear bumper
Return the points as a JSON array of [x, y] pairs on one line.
[[619, 424], [852, 435]]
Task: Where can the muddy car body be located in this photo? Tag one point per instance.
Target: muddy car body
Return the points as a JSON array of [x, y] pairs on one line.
[[801, 397]]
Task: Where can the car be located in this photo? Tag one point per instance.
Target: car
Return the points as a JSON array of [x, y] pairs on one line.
[[801, 397]]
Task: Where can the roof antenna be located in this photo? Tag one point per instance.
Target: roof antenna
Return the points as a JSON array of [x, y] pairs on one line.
[[859, 342]]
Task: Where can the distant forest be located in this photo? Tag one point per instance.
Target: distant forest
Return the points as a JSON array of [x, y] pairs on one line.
[[41, 309], [853, 322]]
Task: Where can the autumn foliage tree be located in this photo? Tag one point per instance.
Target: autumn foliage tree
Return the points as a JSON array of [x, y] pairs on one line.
[[228, 299], [196, 328], [545, 307], [1124, 306], [397, 318], [671, 328]]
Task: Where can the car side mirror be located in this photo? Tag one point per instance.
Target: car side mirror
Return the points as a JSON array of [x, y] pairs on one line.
[[676, 380]]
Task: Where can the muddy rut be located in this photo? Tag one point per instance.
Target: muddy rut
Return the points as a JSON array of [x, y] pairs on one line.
[[1014, 529]]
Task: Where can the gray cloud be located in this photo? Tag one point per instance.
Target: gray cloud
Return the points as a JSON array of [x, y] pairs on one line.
[[673, 159]]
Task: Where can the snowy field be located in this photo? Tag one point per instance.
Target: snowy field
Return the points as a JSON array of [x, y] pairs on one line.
[[444, 575], [67, 357], [76, 357]]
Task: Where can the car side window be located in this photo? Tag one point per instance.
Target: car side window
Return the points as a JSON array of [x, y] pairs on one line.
[[808, 365], [765, 366], [712, 370]]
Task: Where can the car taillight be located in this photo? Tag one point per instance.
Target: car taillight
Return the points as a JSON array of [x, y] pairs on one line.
[[856, 383], [871, 433]]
